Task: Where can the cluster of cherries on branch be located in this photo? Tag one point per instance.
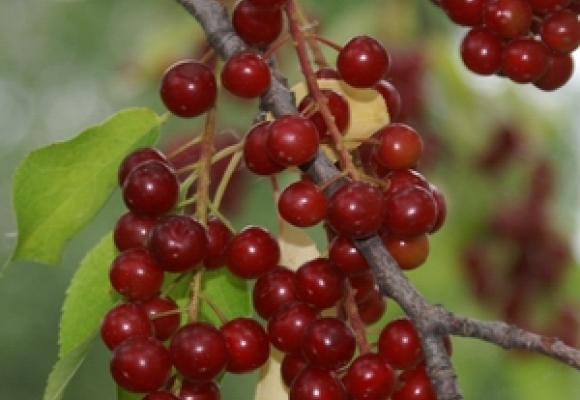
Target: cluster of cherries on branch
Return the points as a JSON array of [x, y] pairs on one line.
[[527, 41], [317, 314]]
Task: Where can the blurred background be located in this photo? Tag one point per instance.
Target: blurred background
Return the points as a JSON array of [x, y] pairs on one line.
[[505, 155]]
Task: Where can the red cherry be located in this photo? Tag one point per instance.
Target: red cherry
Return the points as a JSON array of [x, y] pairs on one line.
[[292, 140], [135, 274], [252, 252], [362, 62], [400, 345], [246, 74], [317, 384], [166, 325], [302, 204], [256, 157], [320, 283], [411, 211], [123, 321], [400, 148], [370, 377], [257, 26], [272, 290], [248, 345], [328, 343]]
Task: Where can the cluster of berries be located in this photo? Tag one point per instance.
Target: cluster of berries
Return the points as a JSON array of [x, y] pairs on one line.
[[528, 41]]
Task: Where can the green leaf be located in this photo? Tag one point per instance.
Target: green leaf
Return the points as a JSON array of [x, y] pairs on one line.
[[59, 188], [89, 296], [66, 367], [124, 395], [228, 293]]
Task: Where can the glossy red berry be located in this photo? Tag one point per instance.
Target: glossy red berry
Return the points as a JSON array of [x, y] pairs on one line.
[[415, 385], [399, 344], [404, 177], [560, 31], [542, 7], [206, 390], [317, 384], [292, 365], [256, 25], [409, 253], [188, 88], [370, 377], [248, 345], [252, 252], [464, 12], [320, 283], [346, 256], [392, 98], [178, 243], [246, 74], [356, 210], [328, 343], [256, 157], [268, 3], [199, 351], [400, 148], [372, 309], [441, 208], [136, 158], [481, 51], [508, 18], [338, 107], [273, 290], [302, 204], [122, 322], [286, 328], [163, 326], [363, 62], [140, 364], [525, 60], [411, 211], [151, 189], [132, 230], [135, 274], [218, 238], [560, 70], [292, 140]]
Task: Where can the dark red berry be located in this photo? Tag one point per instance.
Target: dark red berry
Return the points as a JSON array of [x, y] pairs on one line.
[[140, 364], [123, 321], [409, 253], [464, 12], [373, 308], [404, 177], [218, 238], [178, 243], [135, 274], [328, 343], [356, 210], [399, 344], [302, 204], [151, 189], [273, 290], [317, 384], [256, 157], [132, 230], [248, 345], [370, 377], [542, 7], [392, 98], [163, 326], [481, 51], [207, 390], [346, 256], [287, 326], [411, 211], [246, 74], [257, 26], [292, 140], [252, 252], [400, 148], [338, 107], [560, 69], [362, 62], [415, 385], [508, 18], [525, 60], [292, 365], [560, 31], [320, 283], [188, 88], [136, 158], [199, 351]]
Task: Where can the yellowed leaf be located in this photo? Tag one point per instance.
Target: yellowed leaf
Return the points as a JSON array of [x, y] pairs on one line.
[[368, 111], [270, 385], [296, 246]]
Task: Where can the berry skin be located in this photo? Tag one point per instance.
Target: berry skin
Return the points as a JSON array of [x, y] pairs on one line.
[[248, 345], [416, 385], [317, 384], [140, 364], [356, 210], [481, 51], [164, 327], [151, 189], [409, 253], [292, 140], [207, 390], [135, 274], [399, 344], [178, 243], [464, 12], [362, 62], [199, 351], [338, 107], [401, 146], [122, 322], [218, 238], [246, 75], [560, 69], [411, 211], [286, 328], [372, 309], [132, 230], [256, 157], [542, 7], [136, 158], [328, 343], [345, 256], [320, 283], [188, 88], [257, 26], [392, 98], [508, 18], [525, 60], [302, 204], [252, 252], [273, 290], [369, 377], [560, 31], [292, 365]]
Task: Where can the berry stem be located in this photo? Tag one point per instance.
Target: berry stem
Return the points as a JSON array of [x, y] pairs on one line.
[[356, 323], [302, 53], [227, 175], [204, 167], [194, 294]]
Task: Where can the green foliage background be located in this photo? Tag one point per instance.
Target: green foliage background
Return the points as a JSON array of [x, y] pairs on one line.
[[66, 64]]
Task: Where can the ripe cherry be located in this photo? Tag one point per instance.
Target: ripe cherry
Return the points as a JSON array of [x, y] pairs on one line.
[[362, 62], [132, 230], [188, 88], [411, 211], [370, 377], [292, 140], [256, 157], [346, 256], [218, 238], [286, 328], [338, 107], [399, 344], [464, 12], [328, 343], [257, 25], [302, 204], [248, 345], [400, 148], [123, 321], [525, 60], [317, 384], [135, 274], [409, 253], [320, 283], [481, 51], [136, 158], [273, 290], [252, 252], [246, 74], [163, 326]]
